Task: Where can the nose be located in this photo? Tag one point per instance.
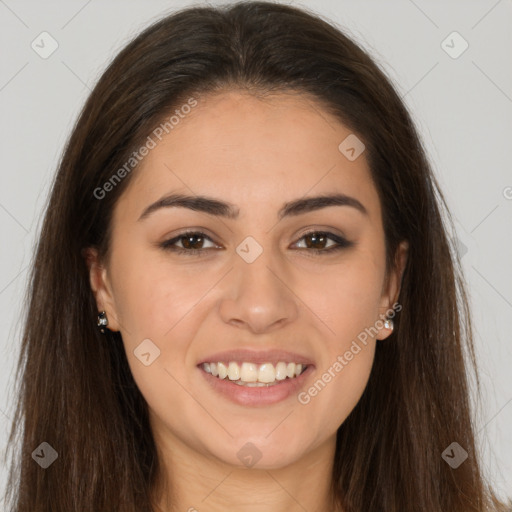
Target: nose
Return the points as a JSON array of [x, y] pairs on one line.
[[259, 296]]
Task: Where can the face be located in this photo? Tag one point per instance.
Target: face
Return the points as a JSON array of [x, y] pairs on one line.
[[264, 283]]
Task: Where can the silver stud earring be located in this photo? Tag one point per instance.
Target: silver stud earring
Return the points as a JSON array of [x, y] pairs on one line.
[[388, 324], [102, 322]]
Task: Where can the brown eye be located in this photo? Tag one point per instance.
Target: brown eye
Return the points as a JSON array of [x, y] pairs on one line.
[[191, 243], [317, 240]]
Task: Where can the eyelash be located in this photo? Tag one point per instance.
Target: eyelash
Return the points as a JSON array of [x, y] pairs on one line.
[[168, 245]]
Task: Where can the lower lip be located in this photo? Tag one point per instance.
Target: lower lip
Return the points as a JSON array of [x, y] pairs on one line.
[[254, 396]]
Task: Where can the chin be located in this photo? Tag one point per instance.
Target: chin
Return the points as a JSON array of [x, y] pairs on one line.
[[261, 452]]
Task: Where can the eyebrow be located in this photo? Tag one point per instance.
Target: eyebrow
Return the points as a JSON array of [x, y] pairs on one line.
[[212, 206]]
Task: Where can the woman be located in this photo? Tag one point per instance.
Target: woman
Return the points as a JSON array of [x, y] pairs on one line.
[[243, 295]]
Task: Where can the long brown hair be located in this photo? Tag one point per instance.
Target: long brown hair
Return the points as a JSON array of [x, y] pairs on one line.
[[76, 391]]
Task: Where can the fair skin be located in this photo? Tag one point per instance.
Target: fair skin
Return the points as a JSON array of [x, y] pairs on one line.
[[257, 155]]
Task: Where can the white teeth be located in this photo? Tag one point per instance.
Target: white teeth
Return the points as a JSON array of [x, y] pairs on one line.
[[267, 373], [233, 371], [253, 375], [281, 371], [223, 371], [249, 372]]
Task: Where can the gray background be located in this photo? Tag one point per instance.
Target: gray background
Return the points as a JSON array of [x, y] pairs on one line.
[[462, 107]]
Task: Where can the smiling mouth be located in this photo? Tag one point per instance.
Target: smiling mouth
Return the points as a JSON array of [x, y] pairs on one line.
[[254, 375]]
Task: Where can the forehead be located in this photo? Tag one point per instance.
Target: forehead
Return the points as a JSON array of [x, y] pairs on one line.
[[248, 150]]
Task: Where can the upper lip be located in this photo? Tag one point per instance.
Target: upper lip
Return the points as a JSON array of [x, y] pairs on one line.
[[257, 356]]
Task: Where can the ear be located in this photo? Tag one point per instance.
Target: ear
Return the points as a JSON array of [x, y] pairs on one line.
[[101, 287], [391, 290]]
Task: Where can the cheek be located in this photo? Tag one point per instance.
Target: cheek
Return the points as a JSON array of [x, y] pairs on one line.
[[152, 295], [161, 311], [336, 387], [346, 297], [349, 306]]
